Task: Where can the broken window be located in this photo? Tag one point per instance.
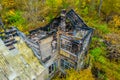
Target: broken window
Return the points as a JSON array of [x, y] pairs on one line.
[[65, 64], [70, 45], [54, 43], [52, 67]]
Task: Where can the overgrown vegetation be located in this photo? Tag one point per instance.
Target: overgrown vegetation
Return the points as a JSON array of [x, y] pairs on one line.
[[102, 15]]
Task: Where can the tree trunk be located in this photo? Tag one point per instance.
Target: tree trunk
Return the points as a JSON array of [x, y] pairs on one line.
[[100, 6]]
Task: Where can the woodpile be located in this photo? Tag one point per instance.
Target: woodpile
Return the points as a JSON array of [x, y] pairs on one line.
[[114, 53], [112, 42]]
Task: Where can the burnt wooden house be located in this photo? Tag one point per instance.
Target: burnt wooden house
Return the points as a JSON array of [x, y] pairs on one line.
[[62, 44]]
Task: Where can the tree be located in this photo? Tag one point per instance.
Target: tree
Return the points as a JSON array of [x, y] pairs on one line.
[[110, 8], [77, 75], [74, 75], [99, 9]]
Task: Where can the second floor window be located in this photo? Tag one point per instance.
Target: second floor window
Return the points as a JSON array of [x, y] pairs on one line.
[[70, 46]]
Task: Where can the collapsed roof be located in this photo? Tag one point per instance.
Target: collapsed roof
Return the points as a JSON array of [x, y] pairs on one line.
[[75, 30]]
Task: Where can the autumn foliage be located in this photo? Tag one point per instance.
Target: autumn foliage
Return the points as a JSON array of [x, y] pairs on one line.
[[102, 15]]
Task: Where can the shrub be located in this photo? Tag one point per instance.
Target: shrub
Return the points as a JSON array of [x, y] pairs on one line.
[[14, 17], [96, 52]]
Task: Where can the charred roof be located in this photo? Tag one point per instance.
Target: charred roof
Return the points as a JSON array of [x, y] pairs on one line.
[[74, 26]]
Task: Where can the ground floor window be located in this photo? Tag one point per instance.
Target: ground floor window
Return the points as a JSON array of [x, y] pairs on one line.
[[52, 67], [66, 65]]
